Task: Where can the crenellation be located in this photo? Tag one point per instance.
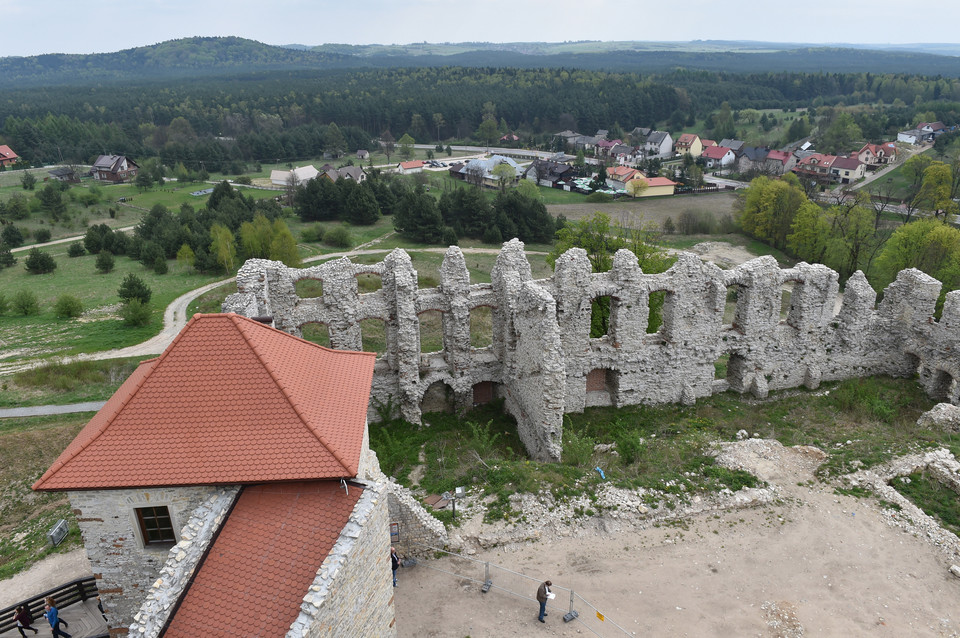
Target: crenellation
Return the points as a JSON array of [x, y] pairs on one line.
[[543, 362]]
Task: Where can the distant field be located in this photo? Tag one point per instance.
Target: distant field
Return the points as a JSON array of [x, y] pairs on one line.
[[652, 209]]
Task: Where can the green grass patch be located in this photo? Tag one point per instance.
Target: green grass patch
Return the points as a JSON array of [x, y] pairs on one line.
[[64, 383], [931, 496]]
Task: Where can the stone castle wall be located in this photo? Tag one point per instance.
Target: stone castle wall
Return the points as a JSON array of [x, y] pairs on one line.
[[544, 363], [125, 569]]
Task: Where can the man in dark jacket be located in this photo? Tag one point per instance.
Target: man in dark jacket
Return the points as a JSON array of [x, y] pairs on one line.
[[543, 593]]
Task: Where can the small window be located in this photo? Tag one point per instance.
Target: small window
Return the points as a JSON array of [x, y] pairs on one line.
[[155, 525]]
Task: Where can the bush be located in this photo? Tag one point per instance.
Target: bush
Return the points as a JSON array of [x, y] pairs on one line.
[[76, 250], [4, 304], [132, 288], [42, 235], [68, 307], [39, 262], [11, 236], [492, 235], [599, 198], [135, 313], [105, 261], [338, 237], [160, 266], [6, 257], [25, 303], [312, 234], [244, 179], [449, 236]]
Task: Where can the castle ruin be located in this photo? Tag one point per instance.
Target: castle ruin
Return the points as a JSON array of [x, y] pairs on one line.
[[544, 363]]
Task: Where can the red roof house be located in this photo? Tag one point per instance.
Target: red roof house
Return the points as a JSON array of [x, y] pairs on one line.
[[7, 156], [214, 478]]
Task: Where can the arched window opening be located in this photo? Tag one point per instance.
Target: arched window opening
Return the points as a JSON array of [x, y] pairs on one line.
[[369, 282], [600, 317], [431, 331], [308, 288], [437, 398], [481, 326], [316, 332]]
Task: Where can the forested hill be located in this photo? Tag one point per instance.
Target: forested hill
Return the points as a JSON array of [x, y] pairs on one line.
[[199, 57]]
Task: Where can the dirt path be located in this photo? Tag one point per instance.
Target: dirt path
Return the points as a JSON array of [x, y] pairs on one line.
[[814, 563]]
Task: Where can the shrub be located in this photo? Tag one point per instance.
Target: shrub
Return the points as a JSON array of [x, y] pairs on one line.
[[135, 313], [11, 236], [42, 235], [338, 237], [160, 266], [449, 236], [244, 179], [76, 250], [39, 262], [68, 307], [4, 304], [312, 234], [132, 288], [492, 235], [105, 261], [25, 303], [599, 198], [6, 257]]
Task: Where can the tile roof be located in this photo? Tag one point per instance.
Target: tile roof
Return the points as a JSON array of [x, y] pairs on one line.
[[659, 181], [715, 152], [7, 153], [411, 164], [229, 401], [778, 156], [263, 561]]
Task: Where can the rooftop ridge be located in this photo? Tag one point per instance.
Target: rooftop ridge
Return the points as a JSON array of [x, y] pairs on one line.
[[236, 320]]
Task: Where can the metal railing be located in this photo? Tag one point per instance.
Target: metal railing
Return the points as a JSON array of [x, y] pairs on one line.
[[493, 577], [76, 591]]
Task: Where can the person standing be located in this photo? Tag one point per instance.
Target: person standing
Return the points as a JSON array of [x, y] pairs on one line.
[[53, 617], [394, 564], [543, 594], [24, 620]]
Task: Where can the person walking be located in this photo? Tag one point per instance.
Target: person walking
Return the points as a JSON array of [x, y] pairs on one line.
[[394, 564], [24, 620], [52, 615], [543, 594]]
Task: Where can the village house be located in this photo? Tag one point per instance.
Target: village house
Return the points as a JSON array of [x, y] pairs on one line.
[[353, 173], [410, 168], [815, 166], [63, 174], [875, 155], [233, 473], [913, 136], [718, 157], [481, 171], [114, 168], [298, 175], [689, 143], [7, 156], [847, 169], [657, 186], [363, 154], [658, 144], [733, 145], [618, 176], [547, 173], [778, 162], [752, 159]]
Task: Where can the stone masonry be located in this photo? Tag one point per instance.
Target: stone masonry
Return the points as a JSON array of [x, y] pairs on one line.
[[125, 569], [544, 363]]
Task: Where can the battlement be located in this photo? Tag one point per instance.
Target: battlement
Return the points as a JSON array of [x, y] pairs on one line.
[[544, 363]]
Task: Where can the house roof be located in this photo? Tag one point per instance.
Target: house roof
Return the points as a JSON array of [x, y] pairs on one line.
[[7, 153], [621, 173], [659, 181], [847, 163], [411, 164], [754, 153], [731, 144], [657, 137], [715, 152], [686, 139], [816, 159], [778, 156], [707, 142], [229, 401], [111, 163], [61, 171], [264, 560]]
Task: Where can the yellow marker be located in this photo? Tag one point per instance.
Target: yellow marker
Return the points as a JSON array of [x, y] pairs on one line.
[[600, 616]]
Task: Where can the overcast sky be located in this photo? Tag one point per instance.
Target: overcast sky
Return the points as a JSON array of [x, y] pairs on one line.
[[58, 26]]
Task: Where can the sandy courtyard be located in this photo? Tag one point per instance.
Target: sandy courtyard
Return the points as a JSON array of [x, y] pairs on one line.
[[813, 564]]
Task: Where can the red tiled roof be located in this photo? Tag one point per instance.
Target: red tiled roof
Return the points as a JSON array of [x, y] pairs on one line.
[[264, 560], [778, 156], [659, 181], [412, 164], [687, 139], [715, 152], [229, 401], [707, 142], [622, 171], [6, 153]]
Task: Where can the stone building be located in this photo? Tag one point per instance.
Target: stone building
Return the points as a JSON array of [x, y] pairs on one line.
[[544, 363], [228, 489]]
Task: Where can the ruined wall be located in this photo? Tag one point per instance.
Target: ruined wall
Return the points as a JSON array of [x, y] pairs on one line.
[[544, 363], [124, 568]]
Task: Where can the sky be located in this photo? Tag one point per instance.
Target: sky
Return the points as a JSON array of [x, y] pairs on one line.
[[58, 26]]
